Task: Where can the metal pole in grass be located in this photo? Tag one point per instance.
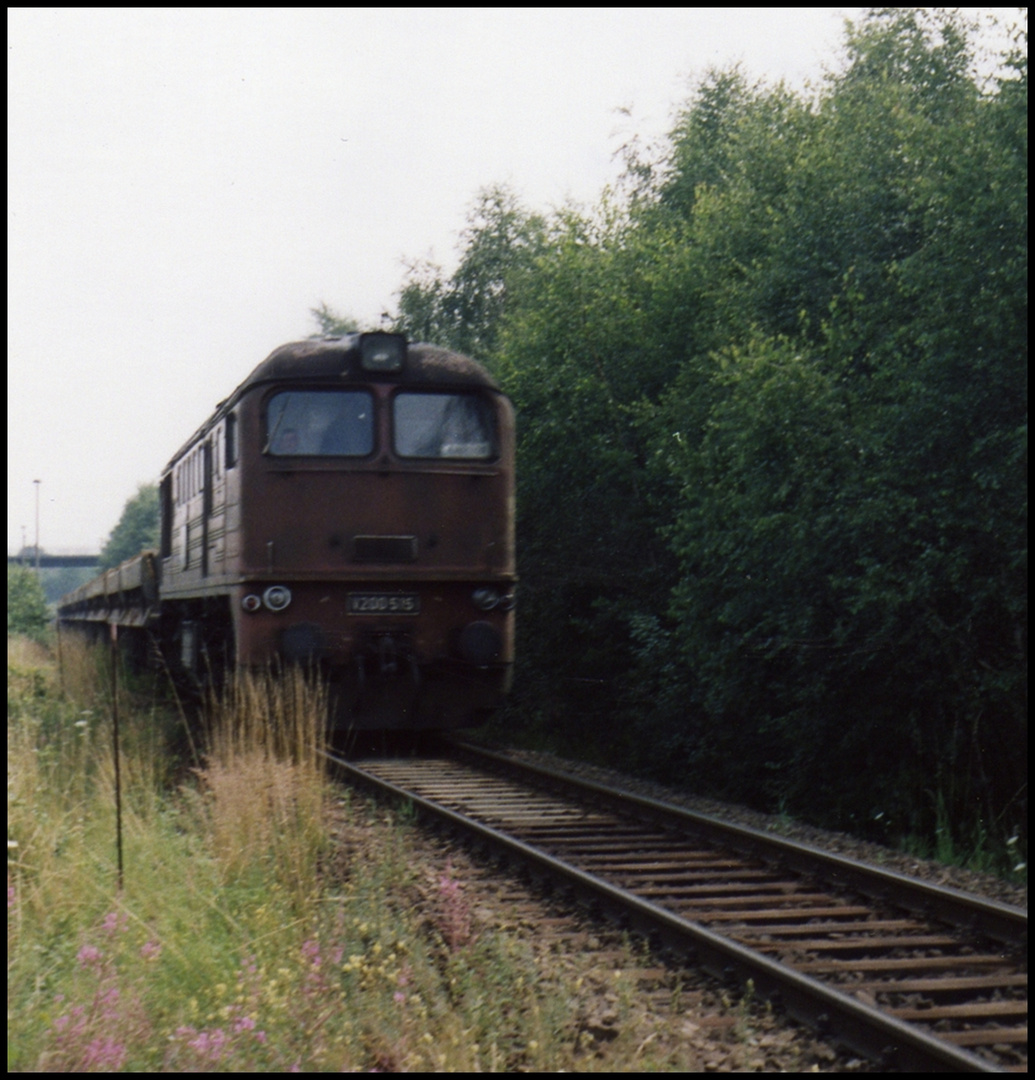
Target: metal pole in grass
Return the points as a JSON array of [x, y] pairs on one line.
[[115, 728], [61, 659]]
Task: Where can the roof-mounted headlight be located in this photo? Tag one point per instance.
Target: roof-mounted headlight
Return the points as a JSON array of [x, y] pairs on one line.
[[380, 352]]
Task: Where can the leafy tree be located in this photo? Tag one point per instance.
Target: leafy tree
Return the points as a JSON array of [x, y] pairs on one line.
[[579, 354], [137, 528], [26, 605], [498, 244], [331, 323], [705, 154], [422, 311], [924, 52]]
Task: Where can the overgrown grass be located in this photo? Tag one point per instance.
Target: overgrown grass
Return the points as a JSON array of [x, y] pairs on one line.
[[979, 850], [245, 937]]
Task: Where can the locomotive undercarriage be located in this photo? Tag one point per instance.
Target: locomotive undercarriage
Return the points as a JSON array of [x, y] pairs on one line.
[[371, 694], [197, 639], [385, 685]]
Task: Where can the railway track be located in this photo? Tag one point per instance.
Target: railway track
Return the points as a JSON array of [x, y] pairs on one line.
[[915, 976]]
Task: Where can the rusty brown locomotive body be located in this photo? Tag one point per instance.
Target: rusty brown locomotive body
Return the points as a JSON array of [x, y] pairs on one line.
[[350, 506]]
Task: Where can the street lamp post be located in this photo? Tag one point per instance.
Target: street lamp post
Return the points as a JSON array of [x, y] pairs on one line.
[[37, 483]]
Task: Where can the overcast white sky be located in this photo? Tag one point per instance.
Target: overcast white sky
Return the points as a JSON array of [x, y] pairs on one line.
[[185, 184]]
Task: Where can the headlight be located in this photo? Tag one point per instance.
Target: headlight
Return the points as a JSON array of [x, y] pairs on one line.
[[277, 597], [485, 598], [251, 602], [379, 351]]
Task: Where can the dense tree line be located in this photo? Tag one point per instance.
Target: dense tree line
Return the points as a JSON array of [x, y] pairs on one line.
[[773, 422]]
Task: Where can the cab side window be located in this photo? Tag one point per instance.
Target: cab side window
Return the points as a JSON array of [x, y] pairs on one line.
[[230, 441]]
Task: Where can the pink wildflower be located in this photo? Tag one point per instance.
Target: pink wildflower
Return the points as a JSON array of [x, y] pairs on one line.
[[209, 1045], [114, 921], [150, 950], [311, 951], [89, 956], [103, 1055]]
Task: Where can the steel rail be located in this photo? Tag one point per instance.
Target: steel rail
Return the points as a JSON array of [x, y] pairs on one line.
[[867, 1030], [990, 918]]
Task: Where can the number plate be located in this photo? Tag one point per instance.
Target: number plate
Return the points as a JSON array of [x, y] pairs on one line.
[[379, 603]]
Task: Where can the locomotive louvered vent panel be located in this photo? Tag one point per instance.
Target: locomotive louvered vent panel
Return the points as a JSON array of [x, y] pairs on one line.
[[384, 549]]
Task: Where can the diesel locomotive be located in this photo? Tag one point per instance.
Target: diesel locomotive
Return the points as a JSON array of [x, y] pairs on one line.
[[350, 507]]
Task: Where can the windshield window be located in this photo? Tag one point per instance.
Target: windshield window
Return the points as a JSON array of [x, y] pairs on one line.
[[443, 426], [327, 423]]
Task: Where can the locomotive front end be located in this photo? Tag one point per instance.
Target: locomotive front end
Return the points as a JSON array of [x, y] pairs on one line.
[[377, 529]]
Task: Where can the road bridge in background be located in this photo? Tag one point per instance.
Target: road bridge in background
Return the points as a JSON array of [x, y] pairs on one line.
[[48, 561]]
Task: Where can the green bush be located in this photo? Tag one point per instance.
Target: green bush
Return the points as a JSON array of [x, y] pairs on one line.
[[26, 604]]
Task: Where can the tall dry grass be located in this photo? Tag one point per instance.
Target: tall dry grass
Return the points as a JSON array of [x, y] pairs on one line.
[[263, 785], [83, 673]]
